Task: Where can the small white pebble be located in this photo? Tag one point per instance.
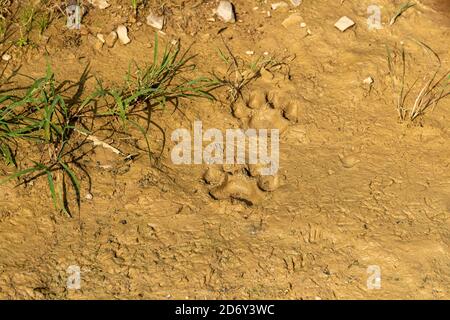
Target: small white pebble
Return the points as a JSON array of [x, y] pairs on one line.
[[101, 37], [225, 11], [344, 23], [368, 80], [155, 21], [89, 196], [122, 33], [101, 4], [249, 52], [6, 57], [278, 5]]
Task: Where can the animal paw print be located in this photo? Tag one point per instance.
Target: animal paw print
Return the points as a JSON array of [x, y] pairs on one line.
[[240, 182], [268, 106]]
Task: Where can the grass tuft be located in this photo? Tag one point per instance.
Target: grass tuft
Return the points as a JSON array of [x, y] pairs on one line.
[[39, 125], [239, 74], [434, 88], [44, 118], [154, 87]]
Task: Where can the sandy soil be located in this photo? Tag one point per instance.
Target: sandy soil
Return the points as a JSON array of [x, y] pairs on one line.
[[357, 187]]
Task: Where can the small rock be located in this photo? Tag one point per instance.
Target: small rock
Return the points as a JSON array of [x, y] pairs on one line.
[[249, 52], [344, 23], [349, 161], [155, 21], [101, 37], [225, 11], [6, 57], [122, 33], [296, 3], [101, 4], [111, 39], [278, 5], [368, 80], [89, 196]]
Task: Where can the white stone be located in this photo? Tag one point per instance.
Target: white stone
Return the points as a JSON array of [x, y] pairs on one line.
[[101, 4], [122, 33], [101, 37], [368, 80], [155, 21], [344, 23], [225, 12], [296, 3], [249, 52], [278, 5], [6, 57]]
